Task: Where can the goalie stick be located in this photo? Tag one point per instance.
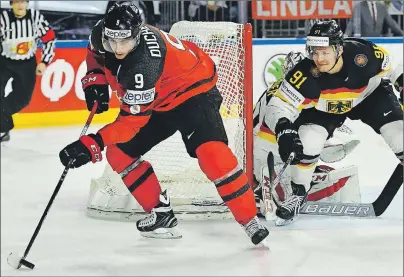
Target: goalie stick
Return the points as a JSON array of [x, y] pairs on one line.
[[14, 260], [267, 188], [374, 209]]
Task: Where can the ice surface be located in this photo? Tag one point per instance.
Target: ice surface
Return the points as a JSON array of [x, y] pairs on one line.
[[72, 244]]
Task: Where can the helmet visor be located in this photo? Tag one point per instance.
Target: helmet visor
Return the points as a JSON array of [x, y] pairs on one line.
[[120, 41]]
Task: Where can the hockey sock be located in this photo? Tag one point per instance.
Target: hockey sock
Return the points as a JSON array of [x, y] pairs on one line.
[[221, 167], [138, 176]]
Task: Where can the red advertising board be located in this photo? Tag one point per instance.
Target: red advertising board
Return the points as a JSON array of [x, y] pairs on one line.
[[59, 89], [301, 9]]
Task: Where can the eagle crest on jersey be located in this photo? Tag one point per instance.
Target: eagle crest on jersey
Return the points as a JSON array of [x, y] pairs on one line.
[[339, 106]]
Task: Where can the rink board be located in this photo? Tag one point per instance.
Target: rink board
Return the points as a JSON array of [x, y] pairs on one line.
[[58, 98]]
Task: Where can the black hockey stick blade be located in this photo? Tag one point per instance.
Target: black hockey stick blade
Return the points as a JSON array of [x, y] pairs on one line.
[[390, 190], [268, 208], [271, 167]]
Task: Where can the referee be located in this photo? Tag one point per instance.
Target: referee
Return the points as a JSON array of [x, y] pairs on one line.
[[20, 30]]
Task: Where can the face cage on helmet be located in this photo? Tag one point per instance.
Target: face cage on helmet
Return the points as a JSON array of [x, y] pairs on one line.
[[108, 45]]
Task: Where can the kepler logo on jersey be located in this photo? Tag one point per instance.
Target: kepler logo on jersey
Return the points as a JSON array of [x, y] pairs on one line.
[[139, 97], [117, 33]]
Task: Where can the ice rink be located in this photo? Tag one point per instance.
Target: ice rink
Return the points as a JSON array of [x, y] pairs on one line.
[[72, 244]]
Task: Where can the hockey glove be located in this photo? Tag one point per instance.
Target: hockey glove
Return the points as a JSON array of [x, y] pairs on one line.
[[86, 149], [95, 88], [288, 140]]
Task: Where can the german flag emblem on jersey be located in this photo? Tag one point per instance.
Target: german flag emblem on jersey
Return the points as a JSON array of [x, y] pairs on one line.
[[339, 106]]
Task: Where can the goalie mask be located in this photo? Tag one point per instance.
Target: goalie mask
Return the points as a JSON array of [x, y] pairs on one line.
[[291, 60], [121, 28]]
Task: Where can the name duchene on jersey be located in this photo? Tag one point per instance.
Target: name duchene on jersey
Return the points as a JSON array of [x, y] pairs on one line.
[[151, 42], [365, 64]]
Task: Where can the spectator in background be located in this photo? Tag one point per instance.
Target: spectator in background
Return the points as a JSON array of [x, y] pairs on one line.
[[372, 15], [153, 9], [21, 28], [208, 11]]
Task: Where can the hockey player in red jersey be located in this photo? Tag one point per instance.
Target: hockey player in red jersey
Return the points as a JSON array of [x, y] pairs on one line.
[[164, 85]]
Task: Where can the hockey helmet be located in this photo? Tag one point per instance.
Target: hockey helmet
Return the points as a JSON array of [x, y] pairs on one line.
[[122, 23], [322, 34]]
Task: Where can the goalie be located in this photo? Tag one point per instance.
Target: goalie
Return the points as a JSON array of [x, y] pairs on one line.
[[339, 79], [164, 85]]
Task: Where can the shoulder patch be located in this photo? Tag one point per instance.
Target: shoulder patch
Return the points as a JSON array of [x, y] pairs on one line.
[[361, 60]]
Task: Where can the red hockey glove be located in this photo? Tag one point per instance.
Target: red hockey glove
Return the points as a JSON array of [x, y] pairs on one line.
[[86, 149]]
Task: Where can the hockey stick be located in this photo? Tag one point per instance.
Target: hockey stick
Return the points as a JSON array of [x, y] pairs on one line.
[[267, 189], [377, 208], [14, 260]]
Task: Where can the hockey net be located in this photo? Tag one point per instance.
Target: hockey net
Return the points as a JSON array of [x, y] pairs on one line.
[[230, 47]]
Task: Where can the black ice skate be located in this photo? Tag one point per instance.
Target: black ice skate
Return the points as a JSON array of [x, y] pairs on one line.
[[288, 210], [161, 222], [4, 136], [256, 231]]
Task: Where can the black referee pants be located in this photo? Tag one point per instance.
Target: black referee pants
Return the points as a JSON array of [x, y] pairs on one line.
[[24, 78]]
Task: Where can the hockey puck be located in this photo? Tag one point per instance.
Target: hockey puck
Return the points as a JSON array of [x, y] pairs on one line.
[[15, 261]]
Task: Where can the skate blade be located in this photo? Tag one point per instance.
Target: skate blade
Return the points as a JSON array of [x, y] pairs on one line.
[[283, 222], [264, 243], [163, 233]]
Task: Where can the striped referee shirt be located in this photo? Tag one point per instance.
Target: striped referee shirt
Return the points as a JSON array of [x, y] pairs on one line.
[[20, 36]]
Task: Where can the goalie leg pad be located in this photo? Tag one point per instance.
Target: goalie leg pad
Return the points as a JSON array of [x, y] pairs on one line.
[[221, 167], [393, 135], [335, 185], [138, 176]]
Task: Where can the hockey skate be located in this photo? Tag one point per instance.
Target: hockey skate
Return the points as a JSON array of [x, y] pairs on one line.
[[161, 222], [4, 136], [288, 210], [256, 231]]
